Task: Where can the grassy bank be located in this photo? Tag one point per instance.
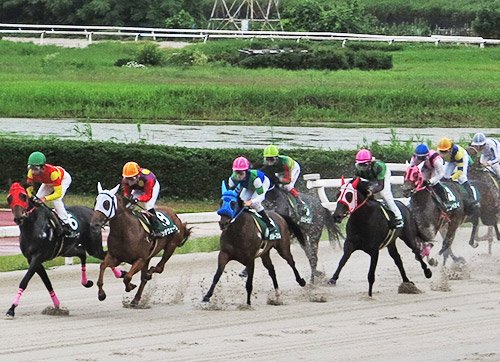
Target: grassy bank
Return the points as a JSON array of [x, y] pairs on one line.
[[428, 86]]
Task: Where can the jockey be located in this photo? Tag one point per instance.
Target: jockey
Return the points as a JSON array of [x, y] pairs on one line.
[[54, 183], [286, 169], [432, 171], [490, 151], [379, 176], [140, 185], [456, 165], [254, 185]]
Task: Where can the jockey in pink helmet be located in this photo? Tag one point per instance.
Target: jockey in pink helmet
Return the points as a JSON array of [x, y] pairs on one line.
[[379, 177], [253, 184]]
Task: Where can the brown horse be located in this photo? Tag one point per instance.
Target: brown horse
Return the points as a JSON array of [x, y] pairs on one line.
[[487, 183], [241, 241], [129, 242], [431, 219]]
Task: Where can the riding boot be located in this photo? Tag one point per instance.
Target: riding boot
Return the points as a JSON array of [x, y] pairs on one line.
[[155, 224], [472, 200], [271, 227], [301, 205], [68, 232], [441, 197]]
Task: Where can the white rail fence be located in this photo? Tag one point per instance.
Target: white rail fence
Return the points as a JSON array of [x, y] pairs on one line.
[[91, 32], [314, 181]]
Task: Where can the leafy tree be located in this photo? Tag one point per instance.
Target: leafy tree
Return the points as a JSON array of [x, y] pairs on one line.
[[487, 23], [182, 20]]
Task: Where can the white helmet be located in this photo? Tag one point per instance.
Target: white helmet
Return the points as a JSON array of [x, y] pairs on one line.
[[479, 139]]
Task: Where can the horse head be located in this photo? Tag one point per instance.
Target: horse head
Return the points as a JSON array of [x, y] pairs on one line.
[[413, 179], [18, 202], [105, 208], [349, 199], [229, 206]]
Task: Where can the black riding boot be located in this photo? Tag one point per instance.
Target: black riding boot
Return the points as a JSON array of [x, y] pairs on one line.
[[442, 198], [68, 231], [266, 219], [155, 224], [473, 202]]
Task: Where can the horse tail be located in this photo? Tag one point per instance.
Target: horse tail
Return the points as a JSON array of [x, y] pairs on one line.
[[295, 229], [185, 233], [334, 232]]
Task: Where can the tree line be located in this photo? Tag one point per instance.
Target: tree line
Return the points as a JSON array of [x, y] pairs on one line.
[[354, 16]]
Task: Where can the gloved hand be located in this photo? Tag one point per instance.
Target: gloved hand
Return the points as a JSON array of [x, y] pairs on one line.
[[426, 183], [133, 200]]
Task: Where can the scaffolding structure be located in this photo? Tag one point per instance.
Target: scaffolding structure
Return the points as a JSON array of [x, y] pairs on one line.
[[245, 15]]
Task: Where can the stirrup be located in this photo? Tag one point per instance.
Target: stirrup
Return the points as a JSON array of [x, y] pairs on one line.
[[399, 223]]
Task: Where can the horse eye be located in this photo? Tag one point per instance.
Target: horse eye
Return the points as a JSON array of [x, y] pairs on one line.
[[23, 197], [106, 204], [9, 199], [348, 197]]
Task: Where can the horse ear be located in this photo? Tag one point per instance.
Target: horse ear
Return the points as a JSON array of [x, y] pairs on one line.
[[407, 164], [114, 189], [223, 187], [99, 187], [355, 183], [342, 179]]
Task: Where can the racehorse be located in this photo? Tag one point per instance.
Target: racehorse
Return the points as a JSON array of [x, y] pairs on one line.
[[487, 183], [430, 217], [368, 230], [241, 240], [128, 239], [279, 200], [40, 240]]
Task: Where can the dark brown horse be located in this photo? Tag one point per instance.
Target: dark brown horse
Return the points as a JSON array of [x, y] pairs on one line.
[[431, 219], [368, 230], [129, 242], [488, 184], [40, 241], [241, 241]]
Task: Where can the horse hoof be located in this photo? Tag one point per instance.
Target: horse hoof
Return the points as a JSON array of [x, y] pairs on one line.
[[130, 287], [101, 296], [206, 299], [302, 282], [428, 273], [89, 284], [332, 282], [474, 245], [134, 303]]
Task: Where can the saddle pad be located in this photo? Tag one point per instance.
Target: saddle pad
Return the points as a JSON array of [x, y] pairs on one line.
[[168, 226], [264, 230]]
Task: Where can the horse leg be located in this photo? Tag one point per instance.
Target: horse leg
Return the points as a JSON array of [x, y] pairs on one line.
[[110, 261], [80, 253], [418, 255], [393, 252], [46, 281], [223, 259], [144, 280], [348, 250], [168, 250], [285, 253], [136, 266], [268, 264], [33, 267], [475, 225], [249, 283], [448, 238], [98, 252], [371, 271]]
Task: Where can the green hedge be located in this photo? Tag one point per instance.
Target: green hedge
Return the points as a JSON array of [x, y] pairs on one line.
[[184, 173]]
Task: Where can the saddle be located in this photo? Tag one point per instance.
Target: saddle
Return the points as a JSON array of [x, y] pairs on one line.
[[167, 225], [301, 212], [263, 229]]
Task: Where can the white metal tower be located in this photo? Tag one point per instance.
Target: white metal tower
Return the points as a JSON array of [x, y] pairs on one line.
[[245, 15]]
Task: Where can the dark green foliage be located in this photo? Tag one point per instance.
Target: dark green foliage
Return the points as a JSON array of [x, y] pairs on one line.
[[487, 23], [122, 61], [150, 54], [181, 20], [186, 173]]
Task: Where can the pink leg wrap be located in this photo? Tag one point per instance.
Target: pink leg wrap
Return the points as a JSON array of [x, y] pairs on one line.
[[84, 275], [117, 272], [54, 299], [17, 297]]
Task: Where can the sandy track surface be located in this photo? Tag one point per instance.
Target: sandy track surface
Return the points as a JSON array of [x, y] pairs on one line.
[[314, 323]]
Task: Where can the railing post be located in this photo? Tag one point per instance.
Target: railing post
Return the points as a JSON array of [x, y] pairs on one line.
[[41, 37]]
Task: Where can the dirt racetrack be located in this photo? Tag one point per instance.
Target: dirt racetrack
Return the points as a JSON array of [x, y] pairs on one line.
[[338, 323]]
